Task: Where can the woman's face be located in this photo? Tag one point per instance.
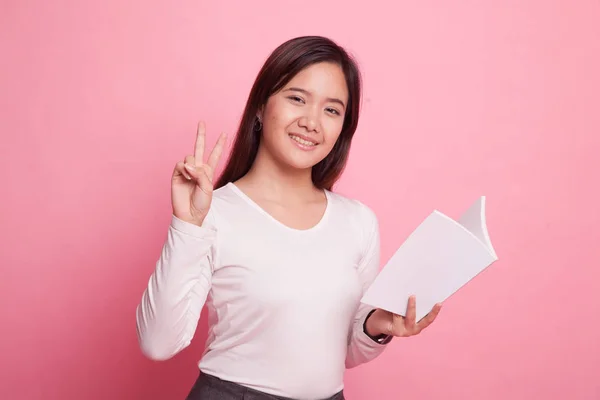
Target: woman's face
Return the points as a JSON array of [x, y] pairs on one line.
[[302, 122]]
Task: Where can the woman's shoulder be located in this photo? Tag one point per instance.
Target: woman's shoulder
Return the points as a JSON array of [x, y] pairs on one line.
[[356, 209], [224, 194], [360, 219], [224, 202]]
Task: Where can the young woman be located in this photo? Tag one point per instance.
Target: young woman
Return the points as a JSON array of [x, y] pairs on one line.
[[278, 258]]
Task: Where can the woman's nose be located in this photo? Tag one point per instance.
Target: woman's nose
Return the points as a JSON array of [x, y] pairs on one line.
[[310, 123]]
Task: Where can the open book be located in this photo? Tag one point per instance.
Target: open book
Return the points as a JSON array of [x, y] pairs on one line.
[[437, 259]]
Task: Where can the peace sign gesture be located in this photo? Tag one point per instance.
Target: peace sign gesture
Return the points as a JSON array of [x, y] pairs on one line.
[[191, 186]]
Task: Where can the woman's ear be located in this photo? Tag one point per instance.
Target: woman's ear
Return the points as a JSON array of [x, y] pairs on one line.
[[258, 122]]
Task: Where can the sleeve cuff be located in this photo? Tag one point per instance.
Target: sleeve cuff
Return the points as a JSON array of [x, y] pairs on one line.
[[191, 229]]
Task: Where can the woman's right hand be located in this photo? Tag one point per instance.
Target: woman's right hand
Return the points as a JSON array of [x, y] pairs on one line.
[[191, 186]]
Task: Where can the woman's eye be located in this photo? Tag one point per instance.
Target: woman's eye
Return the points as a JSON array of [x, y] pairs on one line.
[[333, 111], [296, 99]]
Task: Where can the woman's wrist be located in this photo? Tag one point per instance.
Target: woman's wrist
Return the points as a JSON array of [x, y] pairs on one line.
[[374, 326]]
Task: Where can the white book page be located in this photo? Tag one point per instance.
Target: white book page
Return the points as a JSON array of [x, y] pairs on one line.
[[474, 220], [437, 259]]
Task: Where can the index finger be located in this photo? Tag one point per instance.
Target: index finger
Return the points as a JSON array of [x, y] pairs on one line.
[[411, 311], [199, 147]]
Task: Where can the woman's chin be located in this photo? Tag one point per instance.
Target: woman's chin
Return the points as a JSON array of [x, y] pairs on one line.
[[301, 162]]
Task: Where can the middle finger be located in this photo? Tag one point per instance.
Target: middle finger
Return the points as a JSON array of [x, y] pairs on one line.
[[411, 312]]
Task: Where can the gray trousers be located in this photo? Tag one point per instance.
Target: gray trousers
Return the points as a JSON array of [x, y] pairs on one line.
[[208, 387]]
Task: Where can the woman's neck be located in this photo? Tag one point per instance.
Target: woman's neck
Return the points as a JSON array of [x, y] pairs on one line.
[[277, 182]]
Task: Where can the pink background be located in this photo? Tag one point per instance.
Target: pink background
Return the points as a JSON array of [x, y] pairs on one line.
[[100, 99]]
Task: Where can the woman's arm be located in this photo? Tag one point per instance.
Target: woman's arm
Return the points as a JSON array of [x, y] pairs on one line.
[[170, 308], [363, 348]]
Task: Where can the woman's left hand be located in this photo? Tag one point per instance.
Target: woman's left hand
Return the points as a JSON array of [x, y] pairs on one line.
[[387, 323]]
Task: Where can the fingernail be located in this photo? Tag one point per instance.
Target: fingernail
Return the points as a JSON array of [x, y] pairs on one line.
[[189, 167]]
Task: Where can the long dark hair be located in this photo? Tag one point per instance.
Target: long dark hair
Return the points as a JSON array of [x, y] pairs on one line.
[[282, 65]]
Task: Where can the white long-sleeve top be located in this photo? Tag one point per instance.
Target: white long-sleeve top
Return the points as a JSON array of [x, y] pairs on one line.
[[283, 304]]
